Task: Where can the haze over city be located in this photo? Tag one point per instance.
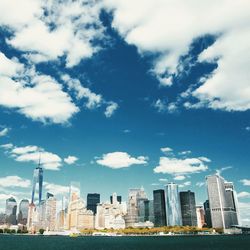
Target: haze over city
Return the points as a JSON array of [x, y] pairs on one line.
[[124, 94]]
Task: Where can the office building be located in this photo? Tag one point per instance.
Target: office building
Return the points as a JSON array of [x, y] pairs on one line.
[[118, 197], [188, 208], [10, 211], [23, 212], [92, 201], [207, 211], [173, 208], [222, 202], [200, 213], [159, 208], [37, 179]]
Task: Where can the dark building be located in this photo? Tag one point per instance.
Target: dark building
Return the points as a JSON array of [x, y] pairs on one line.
[[119, 199], [208, 220], [92, 201], [159, 208], [188, 208], [37, 179]]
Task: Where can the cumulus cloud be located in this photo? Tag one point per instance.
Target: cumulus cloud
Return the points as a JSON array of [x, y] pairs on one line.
[[179, 177], [93, 100], [56, 189], [245, 182], [35, 154], [110, 109], [14, 181], [166, 150], [37, 96], [117, 160], [4, 132], [185, 184], [227, 87], [175, 166], [70, 28], [70, 159], [187, 152]]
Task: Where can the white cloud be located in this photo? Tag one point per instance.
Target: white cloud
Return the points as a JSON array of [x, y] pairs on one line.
[[185, 184], [243, 195], [177, 166], [205, 159], [187, 152], [166, 150], [38, 97], [160, 105], [93, 100], [31, 153], [248, 128], [56, 189], [70, 159], [126, 131], [7, 146], [179, 177], [110, 109], [163, 180], [14, 181], [227, 88], [200, 184], [117, 160], [76, 25], [4, 132], [219, 171], [245, 182]]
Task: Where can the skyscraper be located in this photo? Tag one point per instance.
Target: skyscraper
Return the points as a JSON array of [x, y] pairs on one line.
[[37, 178], [92, 201], [207, 214], [119, 199], [188, 208], [159, 208], [23, 211], [173, 208], [75, 191], [222, 202], [200, 216], [10, 211]]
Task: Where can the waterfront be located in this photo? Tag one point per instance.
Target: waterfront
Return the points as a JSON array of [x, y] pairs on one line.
[[220, 242]]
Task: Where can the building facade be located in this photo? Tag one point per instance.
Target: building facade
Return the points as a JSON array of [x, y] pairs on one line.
[[23, 212], [188, 208], [92, 201], [159, 208], [173, 208]]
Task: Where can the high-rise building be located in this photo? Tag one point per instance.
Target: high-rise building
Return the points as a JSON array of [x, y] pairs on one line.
[[146, 210], [173, 208], [51, 213], [118, 197], [207, 211], [37, 178], [10, 211], [75, 191], [135, 195], [159, 208], [23, 211], [188, 208], [222, 202], [92, 201], [200, 216], [48, 195]]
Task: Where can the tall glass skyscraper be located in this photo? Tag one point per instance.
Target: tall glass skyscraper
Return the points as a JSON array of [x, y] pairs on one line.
[[37, 178], [10, 211], [92, 201], [188, 208], [173, 207], [23, 211], [159, 208], [222, 202]]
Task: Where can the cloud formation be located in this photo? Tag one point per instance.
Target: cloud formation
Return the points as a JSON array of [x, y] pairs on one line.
[[227, 87], [118, 160], [14, 181], [34, 154], [70, 159], [4, 132]]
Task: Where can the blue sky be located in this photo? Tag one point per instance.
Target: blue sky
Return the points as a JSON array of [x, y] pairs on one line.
[[117, 94]]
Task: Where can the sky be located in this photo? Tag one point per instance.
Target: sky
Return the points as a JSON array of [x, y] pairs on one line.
[[117, 94]]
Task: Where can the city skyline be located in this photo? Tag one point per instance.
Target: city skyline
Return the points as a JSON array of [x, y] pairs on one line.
[[117, 99]]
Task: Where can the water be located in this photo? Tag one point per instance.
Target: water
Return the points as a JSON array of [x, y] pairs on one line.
[[21, 242]]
